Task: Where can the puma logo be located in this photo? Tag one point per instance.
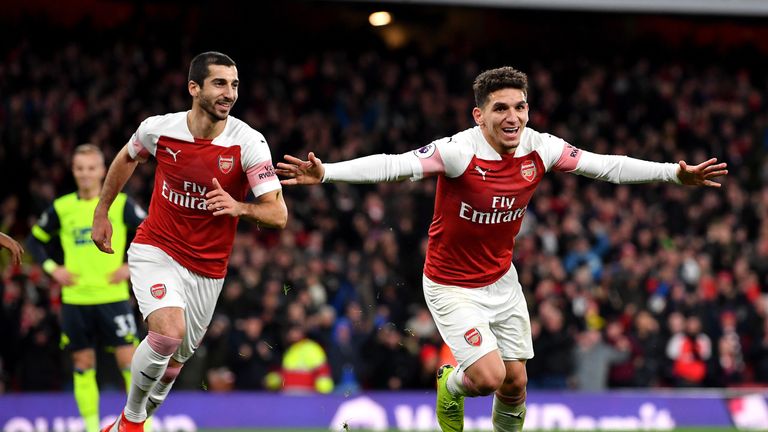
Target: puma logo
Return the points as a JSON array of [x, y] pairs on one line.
[[481, 171], [173, 153]]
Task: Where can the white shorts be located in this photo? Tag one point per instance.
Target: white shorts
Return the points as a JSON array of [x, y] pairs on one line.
[[159, 281], [476, 321]]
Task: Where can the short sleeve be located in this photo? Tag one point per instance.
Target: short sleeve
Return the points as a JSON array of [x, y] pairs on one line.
[[454, 155], [141, 145], [257, 165], [557, 154]]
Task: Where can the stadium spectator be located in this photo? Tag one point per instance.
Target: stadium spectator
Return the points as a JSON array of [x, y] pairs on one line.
[[730, 368], [388, 363], [647, 350], [38, 367], [758, 354], [690, 351], [304, 366], [554, 343], [344, 358], [593, 359]]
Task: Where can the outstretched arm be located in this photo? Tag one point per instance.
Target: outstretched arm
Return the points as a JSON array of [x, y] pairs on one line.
[[369, 169], [627, 170], [701, 174], [119, 173]]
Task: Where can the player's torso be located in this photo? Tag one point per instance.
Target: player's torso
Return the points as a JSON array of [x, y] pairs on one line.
[[81, 257], [491, 192], [179, 221], [185, 173], [76, 219], [477, 216]]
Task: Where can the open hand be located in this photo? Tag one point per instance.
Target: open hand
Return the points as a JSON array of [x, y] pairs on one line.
[[302, 172], [701, 174]]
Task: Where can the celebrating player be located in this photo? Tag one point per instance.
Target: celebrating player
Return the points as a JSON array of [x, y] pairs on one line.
[[486, 177], [207, 161], [94, 285]]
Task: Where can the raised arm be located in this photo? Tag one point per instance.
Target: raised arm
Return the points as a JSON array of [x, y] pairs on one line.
[[119, 172]]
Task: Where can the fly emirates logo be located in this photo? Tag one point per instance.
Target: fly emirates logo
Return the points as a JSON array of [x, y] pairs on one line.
[[192, 197], [502, 212]]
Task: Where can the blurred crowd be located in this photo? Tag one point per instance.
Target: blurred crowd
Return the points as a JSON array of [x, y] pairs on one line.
[[627, 286]]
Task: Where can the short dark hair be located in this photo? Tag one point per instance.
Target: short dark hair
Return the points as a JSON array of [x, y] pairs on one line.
[[198, 68], [497, 79]]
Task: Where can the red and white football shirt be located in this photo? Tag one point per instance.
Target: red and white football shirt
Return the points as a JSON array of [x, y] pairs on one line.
[[179, 222], [481, 199]]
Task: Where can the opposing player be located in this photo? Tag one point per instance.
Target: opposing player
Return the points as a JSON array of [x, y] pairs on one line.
[[207, 161], [94, 285], [486, 177]]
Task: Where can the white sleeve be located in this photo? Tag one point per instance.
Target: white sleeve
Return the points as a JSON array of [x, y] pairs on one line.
[[624, 170], [374, 169], [141, 144], [444, 156], [553, 151]]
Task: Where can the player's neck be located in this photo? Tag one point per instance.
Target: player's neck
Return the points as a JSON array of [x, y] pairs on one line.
[[202, 126], [500, 149], [88, 194]]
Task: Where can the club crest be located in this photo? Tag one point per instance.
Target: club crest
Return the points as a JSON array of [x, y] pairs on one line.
[[473, 337], [528, 170], [226, 163], [158, 291]]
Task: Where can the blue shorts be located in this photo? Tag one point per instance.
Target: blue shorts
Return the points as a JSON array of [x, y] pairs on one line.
[[85, 326]]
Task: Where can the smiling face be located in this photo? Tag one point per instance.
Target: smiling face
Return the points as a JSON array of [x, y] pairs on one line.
[[88, 170], [502, 119], [218, 93]]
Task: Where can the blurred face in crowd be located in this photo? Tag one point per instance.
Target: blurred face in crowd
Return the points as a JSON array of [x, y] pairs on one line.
[[88, 170], [218, 93], [503, 118]]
